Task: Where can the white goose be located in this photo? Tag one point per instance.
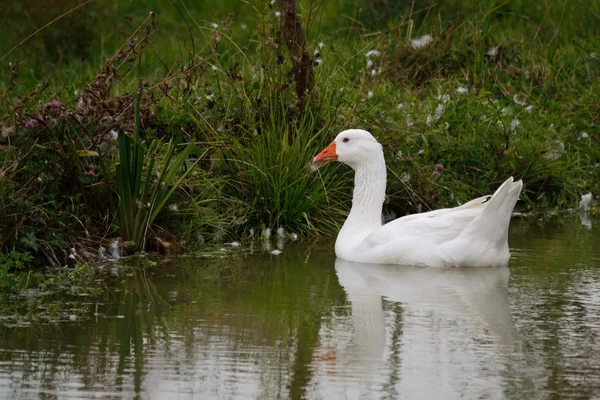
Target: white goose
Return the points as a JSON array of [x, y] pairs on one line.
[[474, 234]]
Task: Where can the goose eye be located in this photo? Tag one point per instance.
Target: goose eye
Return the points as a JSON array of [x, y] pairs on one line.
[[345, 140]]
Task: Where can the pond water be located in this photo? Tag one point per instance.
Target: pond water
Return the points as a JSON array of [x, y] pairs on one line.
[[305, 325]]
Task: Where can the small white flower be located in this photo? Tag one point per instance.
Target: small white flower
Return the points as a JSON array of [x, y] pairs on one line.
[[405, 177], [210, 96], [373, 53], [255, 132], [369, 94], [374, 72], [73, 317], [294, 236], [72, 256], [400, 106], [276, 252], [446, 126], [462, 90], [214, 67], [317, 53], [528, 109], [421, 152], [341, 89], [421, 42], [318, 62], [514, 124], [584, 135], [369, 63], [321, 45], [234, 244], [114, 134], [173, 207], [244, 26], [277, 14], [272, 2], [214, 26]]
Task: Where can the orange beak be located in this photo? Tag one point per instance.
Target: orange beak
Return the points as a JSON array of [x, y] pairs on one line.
[[328, 154]]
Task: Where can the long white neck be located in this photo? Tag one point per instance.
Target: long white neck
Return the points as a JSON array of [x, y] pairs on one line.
[[367, 202]]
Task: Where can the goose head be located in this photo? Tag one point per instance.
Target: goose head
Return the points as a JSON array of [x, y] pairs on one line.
[[353, 147]]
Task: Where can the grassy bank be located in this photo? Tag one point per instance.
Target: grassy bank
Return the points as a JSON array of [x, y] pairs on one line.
[[185, 124]]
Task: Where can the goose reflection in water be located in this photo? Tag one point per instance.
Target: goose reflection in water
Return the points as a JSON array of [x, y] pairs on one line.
[[417, 332]]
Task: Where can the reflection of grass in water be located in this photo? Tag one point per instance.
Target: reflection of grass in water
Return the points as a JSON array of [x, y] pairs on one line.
[[549, 287], [278, 303], [281, 304]]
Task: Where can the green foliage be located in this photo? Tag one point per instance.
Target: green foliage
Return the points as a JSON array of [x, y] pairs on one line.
[[43, 193], [141, 198], [79, 280], [528, 109], [14, 276], [272, 177]]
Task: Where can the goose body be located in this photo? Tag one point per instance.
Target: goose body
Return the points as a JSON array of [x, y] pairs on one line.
[[473, 234]]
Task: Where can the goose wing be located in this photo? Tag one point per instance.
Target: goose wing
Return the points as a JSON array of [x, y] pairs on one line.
[[437, 226]]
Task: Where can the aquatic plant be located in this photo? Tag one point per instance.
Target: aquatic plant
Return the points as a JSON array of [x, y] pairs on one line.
[[142, 190]]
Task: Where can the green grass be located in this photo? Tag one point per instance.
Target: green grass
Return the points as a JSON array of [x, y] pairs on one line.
[[143, 191], [530, 110]]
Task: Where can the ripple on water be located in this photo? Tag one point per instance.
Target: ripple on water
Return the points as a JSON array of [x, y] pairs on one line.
[[284, 327]]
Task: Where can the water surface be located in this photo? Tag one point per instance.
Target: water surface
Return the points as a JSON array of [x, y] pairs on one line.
[[305, 325]]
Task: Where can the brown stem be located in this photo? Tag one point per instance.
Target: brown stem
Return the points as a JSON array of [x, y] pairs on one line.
[[293, 34]]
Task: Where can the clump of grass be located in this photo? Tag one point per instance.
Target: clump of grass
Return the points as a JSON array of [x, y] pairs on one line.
[[272, 178], [262, 135], [141, 197]]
